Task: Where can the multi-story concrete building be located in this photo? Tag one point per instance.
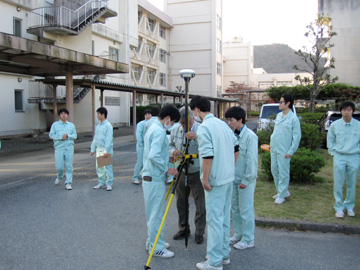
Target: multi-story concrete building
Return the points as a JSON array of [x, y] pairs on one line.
[[344, 16], [196, 43]]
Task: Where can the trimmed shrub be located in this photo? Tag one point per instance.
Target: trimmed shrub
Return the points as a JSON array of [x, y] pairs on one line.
[[303, 165], [311, 117]]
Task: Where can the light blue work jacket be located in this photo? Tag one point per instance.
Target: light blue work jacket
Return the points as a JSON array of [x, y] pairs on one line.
[[216, 139], [247, 163], [139, 133], [58, 129], [148, 123], [344, 138], [156, 152], [286, 136], [178, 140], [103, 139]]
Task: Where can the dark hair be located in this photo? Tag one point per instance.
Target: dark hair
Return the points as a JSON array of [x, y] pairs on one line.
[[170, 110], [236, 112], [155, 111], [147, 111], [63, 110], [102, 110], [288, 98], [347, 104], [202, 103]]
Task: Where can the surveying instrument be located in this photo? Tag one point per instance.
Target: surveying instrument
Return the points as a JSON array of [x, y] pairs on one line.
[[186, 159]]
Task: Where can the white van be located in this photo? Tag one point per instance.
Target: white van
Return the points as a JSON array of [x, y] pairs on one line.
[[268, 110]]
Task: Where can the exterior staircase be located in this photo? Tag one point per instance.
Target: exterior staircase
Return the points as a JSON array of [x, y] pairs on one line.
[[61, 20]]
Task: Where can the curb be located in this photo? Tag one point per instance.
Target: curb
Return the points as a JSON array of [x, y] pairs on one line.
[[307, 226]]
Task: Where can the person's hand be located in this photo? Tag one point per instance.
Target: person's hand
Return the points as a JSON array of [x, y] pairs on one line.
[[172, 171], [287, 156], [242, 186], [64, 137], [91, 153], [172, 159], [176, 154], [191, 135], [207, 186], [105, 155]]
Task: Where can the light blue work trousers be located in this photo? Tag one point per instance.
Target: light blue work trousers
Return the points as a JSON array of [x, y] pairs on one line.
[[139, 162], [243, 214], [345, 165], [154, 197], [280, 170], [64, 156], [218, 207], [105, 174]]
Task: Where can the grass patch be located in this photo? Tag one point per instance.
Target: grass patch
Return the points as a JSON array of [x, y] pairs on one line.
[[308, 202]]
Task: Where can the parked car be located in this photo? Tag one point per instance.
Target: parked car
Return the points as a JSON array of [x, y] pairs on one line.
[[268, 113]]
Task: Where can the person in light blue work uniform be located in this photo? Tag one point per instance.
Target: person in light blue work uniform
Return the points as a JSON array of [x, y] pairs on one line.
[[343, 142], [154, 115], [156, 158], [242, 202], [63, 133], [140, 147], [102, 145], [284, 142], [217, 144]]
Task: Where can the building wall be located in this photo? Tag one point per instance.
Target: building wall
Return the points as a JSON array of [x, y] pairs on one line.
[[193, 43], [346, 23]]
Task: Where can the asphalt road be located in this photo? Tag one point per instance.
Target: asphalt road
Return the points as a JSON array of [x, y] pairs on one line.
[[44, 226]]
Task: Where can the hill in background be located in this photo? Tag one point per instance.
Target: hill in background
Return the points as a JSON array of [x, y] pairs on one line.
[[277, 58]]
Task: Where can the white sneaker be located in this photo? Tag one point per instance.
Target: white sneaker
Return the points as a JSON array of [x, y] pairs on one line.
[[136, 181], [164, 253], [206, 266], [339, 214], [167, 245], [350, 213], [277, 194], [279, 200], [108, 188], [99, 186], [68, 187], [233, 240], [57, 181], [242, 245]]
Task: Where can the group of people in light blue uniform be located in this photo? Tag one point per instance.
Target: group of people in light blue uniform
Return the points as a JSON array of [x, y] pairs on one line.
[[102, 145], [284, 142], [242, 202], [140, 147], [218, 150], [154, 174], [63, 133], [343, 142]]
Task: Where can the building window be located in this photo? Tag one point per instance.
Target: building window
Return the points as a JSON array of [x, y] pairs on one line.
[[140, 41], [162, 56], [113, 54], [151, 49], [137, 71], [265, 84], [17, 27], [112, 101], [162, 32], [151, 74], [284, 83], [151, 24], [218, 45], [218, 68], [218, 90], [162, 79], [19, 101], [218, 22]]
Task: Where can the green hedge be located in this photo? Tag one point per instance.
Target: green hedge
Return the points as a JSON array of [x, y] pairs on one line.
[[311, 117], [140, 112]]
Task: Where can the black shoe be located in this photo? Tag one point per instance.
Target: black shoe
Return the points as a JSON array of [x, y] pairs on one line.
[[180, 235], [199, 239]]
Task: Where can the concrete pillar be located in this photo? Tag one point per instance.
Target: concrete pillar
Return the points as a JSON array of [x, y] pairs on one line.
[[70, 95], [134, 115], [181, 100], [162, 100], [55, 103], [93, 108], [101, 97]]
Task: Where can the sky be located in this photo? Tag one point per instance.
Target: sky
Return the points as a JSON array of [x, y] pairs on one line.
[[264, 22]]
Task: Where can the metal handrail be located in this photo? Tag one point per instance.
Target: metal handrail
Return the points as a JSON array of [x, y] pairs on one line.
[[64, 17]]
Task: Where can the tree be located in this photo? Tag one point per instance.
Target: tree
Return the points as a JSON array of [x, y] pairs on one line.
[[319, 34]]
